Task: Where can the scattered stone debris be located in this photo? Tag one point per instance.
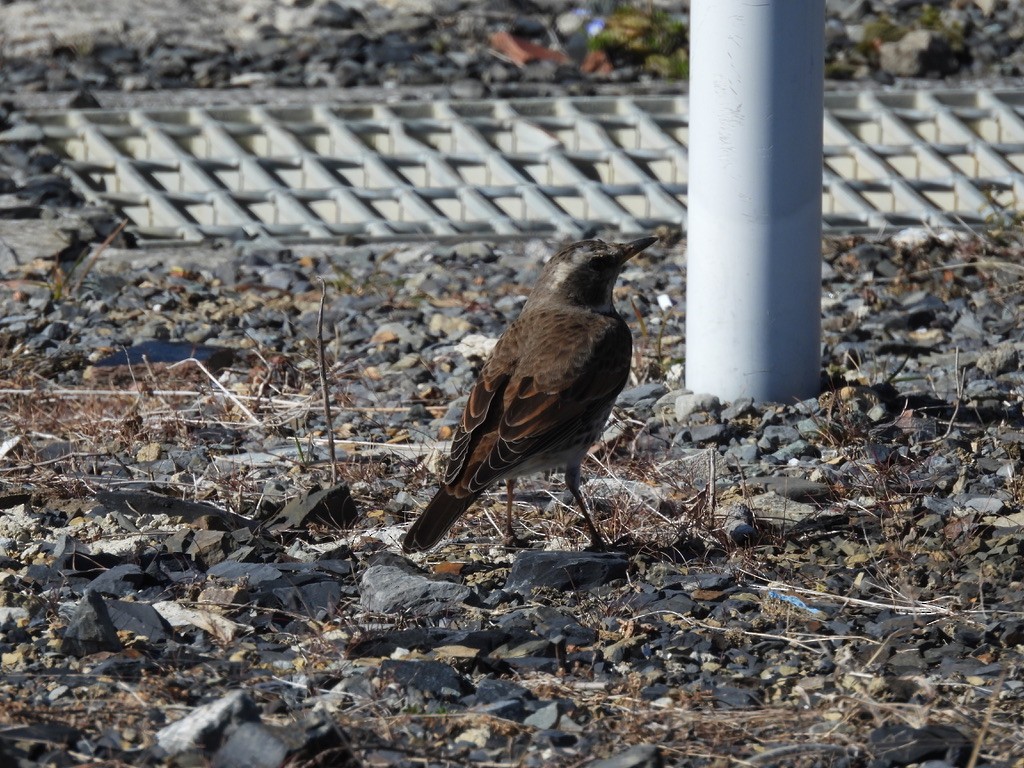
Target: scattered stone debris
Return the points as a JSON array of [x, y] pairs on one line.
[[88, 49], [174, 554], [184, 584]]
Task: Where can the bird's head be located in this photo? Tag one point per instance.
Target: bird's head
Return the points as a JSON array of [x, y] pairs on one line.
[[584, 273]]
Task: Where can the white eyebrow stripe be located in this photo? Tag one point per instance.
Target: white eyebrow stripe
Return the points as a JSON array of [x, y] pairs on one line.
[[560, 274]]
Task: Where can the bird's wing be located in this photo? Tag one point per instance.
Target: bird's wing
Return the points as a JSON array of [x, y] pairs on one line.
[[541, 413], [482, 412]]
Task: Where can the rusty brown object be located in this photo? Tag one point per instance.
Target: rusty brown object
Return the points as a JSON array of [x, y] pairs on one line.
[[596, 62], [523, 51]]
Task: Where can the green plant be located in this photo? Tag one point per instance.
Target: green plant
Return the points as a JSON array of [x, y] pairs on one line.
[[881, 30], [1003, 226], [931, 18], [885, 30], [652, 38]]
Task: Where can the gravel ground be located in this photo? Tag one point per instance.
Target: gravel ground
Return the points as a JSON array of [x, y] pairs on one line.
[[836, 582], [418, 48], [846, 592]]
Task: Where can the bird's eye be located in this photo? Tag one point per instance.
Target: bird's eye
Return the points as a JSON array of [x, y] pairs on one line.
[[601, 262]]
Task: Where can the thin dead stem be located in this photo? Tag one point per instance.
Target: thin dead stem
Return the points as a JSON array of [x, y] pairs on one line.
[[322, 365], [86, 267], [229, 395]]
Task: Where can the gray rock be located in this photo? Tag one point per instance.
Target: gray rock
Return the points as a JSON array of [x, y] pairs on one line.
[[744, 453], [90, 629], [708, 433], [689, 403], [506, 709], [564, 570], [795, 488], [737, 520], [652, 390], [320, 13], [776, 435], [433, 679], [251, 573], [847, 9], [639, 756], [22, 242], [468, 88], [779, 511], [251, 745], [569, 23], [204, 726], [987, 505], [793, 450], [738, 409], [917, 53], [491, 689], [140, 619], [545, 717], [809, 428], [473, 252], [998, 360], [282, 279], [390, 589], [12, 616], [120, 580]]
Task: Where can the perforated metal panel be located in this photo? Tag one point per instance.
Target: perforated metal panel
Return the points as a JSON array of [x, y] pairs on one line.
[[531, 166], [944, 158]]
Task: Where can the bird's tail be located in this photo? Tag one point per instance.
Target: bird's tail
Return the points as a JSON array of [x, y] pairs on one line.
[[440, 515]]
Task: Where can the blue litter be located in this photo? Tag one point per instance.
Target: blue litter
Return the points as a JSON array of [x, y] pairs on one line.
[[795, 601]]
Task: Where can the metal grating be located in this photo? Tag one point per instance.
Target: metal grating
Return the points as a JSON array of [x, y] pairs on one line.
[[514, 167]]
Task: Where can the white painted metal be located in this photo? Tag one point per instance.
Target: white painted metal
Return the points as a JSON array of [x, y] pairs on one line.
[[753, 324], [559, 167]]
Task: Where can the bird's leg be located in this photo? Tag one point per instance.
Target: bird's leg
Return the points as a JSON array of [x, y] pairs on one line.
[[572, 481], [510, 535]]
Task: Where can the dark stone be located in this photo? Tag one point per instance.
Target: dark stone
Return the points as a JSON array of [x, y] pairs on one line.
[[564, 570], [709, 433], [90, 629], [492, 689], [652, 390], [141, 619], [730, 697], [251, 745], [775, 436], [120, 580], [333, 507], [204, 727], [434, 679], [156, 351], [507, 709], [898, 745], [555, 737], [639, 756], [252, 573], [312, 599], [423, 639], [919, 52], [391, 589], [134, 503]]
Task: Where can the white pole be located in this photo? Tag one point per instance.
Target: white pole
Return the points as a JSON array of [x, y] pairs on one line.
[[753, 298]]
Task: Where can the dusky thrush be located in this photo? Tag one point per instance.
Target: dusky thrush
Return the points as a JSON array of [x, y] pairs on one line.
[[546, 391]]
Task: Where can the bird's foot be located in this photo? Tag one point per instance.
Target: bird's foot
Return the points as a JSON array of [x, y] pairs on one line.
[[513, 540], [624, 543]]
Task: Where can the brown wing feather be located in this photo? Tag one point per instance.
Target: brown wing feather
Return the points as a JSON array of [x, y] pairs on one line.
[[483, 408], [542, 414], [485, 394]]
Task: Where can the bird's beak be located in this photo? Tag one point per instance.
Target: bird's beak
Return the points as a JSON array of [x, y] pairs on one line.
[[629, 250]]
